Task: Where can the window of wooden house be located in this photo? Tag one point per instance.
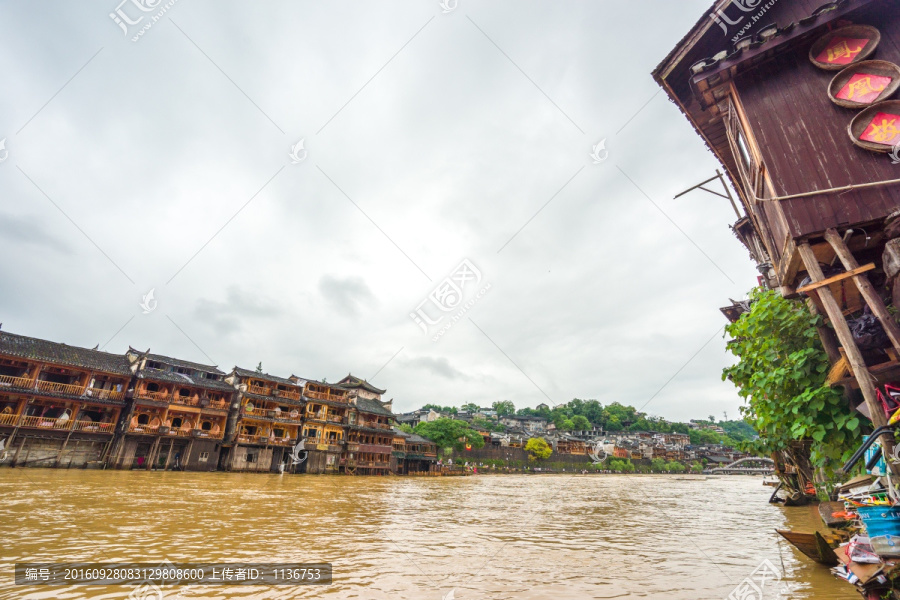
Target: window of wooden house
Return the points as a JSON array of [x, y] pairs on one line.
[[204, 456], [251, 458], [152, 387], [279, 433], [143, 419], [206, 425], [250, 429], [177, 422], [184, 392]]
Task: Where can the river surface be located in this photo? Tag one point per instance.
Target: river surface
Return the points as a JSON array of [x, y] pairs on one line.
[[488, 537]]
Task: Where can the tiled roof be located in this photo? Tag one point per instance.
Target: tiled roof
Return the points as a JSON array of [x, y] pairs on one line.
[[177, 362], [248, 373], [354, 382], [372, 406], [172, 377], [22, 346]]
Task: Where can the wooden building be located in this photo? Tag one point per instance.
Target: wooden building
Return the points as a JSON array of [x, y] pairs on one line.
[[324, 418], [176, 415], [413, 454], [266, 424], [59, 404], [369, 438], [817, 200]]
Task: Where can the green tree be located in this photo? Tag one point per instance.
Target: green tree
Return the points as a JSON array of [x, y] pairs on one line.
[[450, 433], [628, 467], [405, 428], [504, 408], [697, 467], [658, 465], [675, 467], [781, 374], [259, 368], [470, 407], [538, 449], [567, 425], [580, 423]]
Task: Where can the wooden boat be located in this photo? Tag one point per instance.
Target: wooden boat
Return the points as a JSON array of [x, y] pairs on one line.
[[812, 545]]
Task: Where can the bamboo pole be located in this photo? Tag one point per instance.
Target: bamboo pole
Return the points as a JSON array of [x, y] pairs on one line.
[[865, 288], [854, 356]]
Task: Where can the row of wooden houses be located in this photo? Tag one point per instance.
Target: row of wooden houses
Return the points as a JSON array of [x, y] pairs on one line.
[[65, 406]]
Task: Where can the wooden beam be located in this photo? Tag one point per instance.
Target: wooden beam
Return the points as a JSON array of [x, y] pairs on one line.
[[835, 278], [865, 288], [854, 356]]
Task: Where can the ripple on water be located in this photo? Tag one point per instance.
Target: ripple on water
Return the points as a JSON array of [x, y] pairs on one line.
[[522, 537]]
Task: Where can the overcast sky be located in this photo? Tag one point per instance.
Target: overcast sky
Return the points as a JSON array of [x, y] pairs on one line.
[[429, 138]]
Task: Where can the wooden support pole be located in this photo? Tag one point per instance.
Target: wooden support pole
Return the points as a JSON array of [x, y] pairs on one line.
[[865, 288], [169, 455], [854, 356], [826, 335]]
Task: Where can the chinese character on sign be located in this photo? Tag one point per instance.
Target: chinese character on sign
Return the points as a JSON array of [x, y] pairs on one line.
[[31, 573], [884, 129], [864, 88], [841, 51]]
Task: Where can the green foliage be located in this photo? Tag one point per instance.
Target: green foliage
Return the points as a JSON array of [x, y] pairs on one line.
[[658, 464], [675, 467], [259, 368], [450, 433], [504, 408], [781, 374], [580, 423], [538, 449], [405, 428], [470, 407], [487, 425], [705, 437]]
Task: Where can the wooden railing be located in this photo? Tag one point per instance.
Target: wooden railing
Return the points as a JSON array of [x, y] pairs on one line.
[[316, 415], [93, 427], [324, 396], [157, 396], [333, 419], [286, 416], [19, 382], [8, 419], [209, 434], [289, 394], [372, 425], [219, 404], [143, 429], [259, 390], [46, 423], [104, 394], [186, 400], [59, 388]]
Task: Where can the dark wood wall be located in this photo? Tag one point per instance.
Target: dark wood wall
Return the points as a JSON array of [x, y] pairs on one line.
[[804, 141]]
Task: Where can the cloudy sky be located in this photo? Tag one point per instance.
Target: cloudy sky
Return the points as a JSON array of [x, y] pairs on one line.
[[432, 137]]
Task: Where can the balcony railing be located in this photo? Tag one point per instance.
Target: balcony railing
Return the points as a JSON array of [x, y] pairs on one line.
[[373, 425], [157, 396], [93, 427], [334, 419], [46, 423], [259, 390], [18, 382], [324, 396], [289, 394], [59, 388], [217, 404], [186, 400], [8, 419], [100, 394], [143, 429]]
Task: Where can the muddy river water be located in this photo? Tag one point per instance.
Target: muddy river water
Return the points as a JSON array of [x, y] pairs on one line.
[[487, 537]]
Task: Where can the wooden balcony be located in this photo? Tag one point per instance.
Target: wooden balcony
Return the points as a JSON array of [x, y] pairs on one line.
[[186, 400], [259, 390], [8, 419], [334, 419], [290, 395], [155, 396], [16, 382], [207, 435], [104, 394], [146, 429], [73, 389], [46, 423], [323, 396], [93, 427], [216, 404]]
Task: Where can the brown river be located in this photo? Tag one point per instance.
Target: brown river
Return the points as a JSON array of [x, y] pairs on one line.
[[456, 538]]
